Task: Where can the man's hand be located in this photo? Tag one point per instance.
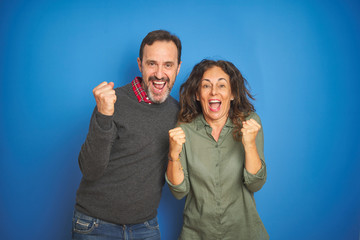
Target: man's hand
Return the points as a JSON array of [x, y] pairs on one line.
[[176, 140], [105, 98], [249, 131]]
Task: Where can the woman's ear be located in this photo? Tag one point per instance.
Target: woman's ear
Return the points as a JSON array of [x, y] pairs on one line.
[[197, 97]]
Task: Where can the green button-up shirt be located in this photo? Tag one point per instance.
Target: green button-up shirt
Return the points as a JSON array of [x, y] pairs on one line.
[[219, 191]]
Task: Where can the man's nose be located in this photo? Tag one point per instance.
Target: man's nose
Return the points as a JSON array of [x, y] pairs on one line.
[[159, 72]]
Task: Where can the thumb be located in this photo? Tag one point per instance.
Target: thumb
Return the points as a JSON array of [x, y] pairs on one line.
[[111, 84]]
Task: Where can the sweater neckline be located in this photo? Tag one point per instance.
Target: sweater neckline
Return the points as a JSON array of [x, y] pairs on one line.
[[132, 95]]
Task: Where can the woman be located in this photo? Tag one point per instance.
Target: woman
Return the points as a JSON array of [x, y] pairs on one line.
[[216, 155]]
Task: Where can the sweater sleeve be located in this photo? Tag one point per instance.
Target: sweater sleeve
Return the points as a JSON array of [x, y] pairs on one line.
[[181, 190], [95, 152], [254, 182]]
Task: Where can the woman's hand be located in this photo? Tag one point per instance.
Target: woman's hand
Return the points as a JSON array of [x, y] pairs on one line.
[[176, 140], [249, 131]]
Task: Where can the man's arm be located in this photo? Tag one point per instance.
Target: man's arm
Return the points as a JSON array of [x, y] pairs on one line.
[[95, 152]]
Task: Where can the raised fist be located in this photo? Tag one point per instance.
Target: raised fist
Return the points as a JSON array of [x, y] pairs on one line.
[[105, 98], [176, 140], [249, 131]]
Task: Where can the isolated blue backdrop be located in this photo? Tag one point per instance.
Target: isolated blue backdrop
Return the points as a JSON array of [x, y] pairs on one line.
[[301, 59]]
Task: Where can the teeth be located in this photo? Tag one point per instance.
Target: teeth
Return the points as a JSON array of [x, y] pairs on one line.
[[214, 101], [159, 82]]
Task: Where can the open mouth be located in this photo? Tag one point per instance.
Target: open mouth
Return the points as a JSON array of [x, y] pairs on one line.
[[159, 85], [214, 105]]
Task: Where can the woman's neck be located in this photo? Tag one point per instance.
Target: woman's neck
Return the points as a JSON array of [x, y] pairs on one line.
[[216, 126]]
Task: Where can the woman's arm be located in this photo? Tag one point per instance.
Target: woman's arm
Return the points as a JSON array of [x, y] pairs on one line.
[[249, 132], [174, 170], [255, 168]]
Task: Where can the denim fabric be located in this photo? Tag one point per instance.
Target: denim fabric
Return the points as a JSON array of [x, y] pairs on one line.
[[88, 228]]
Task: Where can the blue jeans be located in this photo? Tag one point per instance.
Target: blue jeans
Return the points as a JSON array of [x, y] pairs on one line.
[[88, 228]]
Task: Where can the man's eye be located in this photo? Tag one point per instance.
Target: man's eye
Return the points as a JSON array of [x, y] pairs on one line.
[[168, 65]]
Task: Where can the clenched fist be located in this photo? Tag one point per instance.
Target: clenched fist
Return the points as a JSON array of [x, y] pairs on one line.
[[105, 98], [249, 131], [176, 140]]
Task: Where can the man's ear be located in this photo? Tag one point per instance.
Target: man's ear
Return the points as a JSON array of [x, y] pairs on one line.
[[139, 63]]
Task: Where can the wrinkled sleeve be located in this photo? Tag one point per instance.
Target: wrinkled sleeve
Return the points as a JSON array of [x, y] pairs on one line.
[[254, 182], [95, 152], [181, 190]]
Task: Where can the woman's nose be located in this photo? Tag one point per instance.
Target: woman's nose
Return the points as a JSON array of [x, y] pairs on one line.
[[214, 90]]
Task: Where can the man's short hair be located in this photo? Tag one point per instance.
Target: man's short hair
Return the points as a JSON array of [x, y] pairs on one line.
[[160, 35]]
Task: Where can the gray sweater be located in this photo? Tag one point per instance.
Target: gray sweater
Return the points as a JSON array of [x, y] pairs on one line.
[[124, 158]]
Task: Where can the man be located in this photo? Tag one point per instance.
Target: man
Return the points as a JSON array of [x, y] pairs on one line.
[[123, 159]]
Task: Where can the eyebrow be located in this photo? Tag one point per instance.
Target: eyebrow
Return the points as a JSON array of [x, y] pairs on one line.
[[167, 62], [205, 79]]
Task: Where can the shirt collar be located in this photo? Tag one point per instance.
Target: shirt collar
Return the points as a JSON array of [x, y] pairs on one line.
[[200, 122], [139, 91]]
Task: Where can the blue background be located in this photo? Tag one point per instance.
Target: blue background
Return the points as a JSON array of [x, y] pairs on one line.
[[301, 59]]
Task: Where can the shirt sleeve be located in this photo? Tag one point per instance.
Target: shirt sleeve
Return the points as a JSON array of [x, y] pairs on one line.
[[254, 182], [181, 190], [95, 152]]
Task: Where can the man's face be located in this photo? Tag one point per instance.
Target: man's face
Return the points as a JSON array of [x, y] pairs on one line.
[[159, 68]]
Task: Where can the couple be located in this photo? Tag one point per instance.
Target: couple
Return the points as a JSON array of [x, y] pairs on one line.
[[214, 156]]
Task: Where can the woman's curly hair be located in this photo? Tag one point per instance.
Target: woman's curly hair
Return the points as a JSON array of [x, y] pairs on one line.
[[240, 107]]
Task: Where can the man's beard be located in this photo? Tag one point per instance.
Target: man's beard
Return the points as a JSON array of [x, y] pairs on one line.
[[164, 95]]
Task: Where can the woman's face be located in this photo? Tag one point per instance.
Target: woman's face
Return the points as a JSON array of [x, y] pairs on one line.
[[215, 95]]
